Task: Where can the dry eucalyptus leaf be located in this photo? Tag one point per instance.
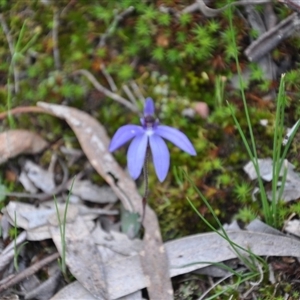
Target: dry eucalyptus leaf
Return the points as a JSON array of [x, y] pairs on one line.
[[45, 290], [16, 142], [27, 215], [210, 247], [117, 241], [259, 226], [293, 227], [82, 256], [91, 192], [42, 179], [76, 291], [94, 142], [35, 219], [291, 189], [27, 183], [38, 233], [266, 170]]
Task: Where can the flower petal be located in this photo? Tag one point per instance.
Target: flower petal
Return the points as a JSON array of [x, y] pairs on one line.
[[136, 155], [149, 107], [123, 135], [160, 156], [175, 136]]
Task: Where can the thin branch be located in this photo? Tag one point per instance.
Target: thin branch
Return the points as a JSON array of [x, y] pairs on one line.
[[109, 79], [210, 12], [56, 54], [28, 272], [203, 296], [129, 94], [21, 110], [106, 91], [270, 39], [137, 91], [117, 19]]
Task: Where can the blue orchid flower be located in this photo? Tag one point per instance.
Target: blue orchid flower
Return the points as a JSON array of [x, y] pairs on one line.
[[149, 134]]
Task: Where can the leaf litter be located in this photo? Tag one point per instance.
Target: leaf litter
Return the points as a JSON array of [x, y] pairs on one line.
[[108, 263], [16, 142], [291, 190]]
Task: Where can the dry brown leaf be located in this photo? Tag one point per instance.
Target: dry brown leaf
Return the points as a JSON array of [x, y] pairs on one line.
[[15, 142], [94, 142]]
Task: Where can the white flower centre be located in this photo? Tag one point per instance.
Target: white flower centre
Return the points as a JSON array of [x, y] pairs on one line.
[[149, 131]]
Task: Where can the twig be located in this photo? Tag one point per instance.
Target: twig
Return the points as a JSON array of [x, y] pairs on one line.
[[255, 284], [269, 40], [137, 90], [56, 54], [12, 51], [67, 8], [203, 296], [109, 79], [28, 272], [117, 19], [129, 94], [21, 110], [210, 12], [106, 91]]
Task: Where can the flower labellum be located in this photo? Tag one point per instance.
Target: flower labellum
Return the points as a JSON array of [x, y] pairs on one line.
[[150, 134]]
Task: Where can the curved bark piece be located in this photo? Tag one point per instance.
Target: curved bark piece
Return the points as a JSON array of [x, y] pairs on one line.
[[95, 142]]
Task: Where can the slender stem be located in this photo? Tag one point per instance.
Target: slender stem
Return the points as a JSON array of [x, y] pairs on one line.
[[146, 190]]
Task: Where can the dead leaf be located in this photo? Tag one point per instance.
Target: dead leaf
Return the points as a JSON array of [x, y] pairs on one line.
[[116, 241], [91, 192], [94, 142], [210, 248], [42, 179], [293, 227], [46, 289], [16, 142], [259, 226], [291, 189], [76, 291], [27, 183], [82, 256], [35, 219]]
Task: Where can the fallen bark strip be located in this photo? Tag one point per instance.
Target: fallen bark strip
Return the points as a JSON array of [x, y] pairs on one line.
[[94, 142]]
